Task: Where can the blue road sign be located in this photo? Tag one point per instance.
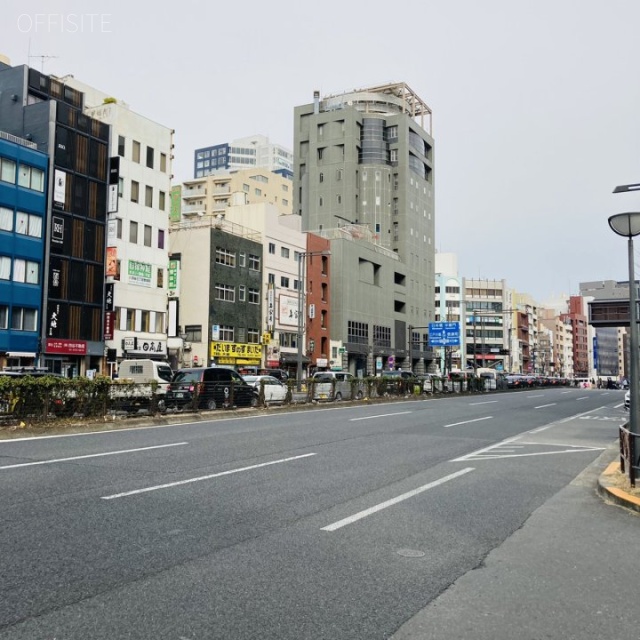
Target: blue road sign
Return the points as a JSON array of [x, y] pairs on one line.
[[444, 334]]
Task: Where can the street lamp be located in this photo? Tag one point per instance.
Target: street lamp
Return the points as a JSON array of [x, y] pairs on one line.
[[302, 256], [628, 225]]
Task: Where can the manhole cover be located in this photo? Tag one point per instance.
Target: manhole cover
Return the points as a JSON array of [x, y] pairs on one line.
[[410, 553]]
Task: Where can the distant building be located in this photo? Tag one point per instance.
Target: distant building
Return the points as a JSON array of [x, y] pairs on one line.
[[243, 153], [449, 308]]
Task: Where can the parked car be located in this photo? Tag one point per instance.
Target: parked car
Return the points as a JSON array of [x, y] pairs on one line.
[[336, 385], [274, 390], [209, 388]]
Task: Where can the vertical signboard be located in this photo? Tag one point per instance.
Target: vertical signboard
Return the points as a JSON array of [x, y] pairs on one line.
[[173, 274], [114, 177], [59, 188], [271, 307]]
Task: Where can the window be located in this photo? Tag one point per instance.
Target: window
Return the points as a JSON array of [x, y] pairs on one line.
[[144, 321], [28, 225], [121, 146], [394, 155], [271, 278], [320, 129], [160, 278], [150, 157], [6, 220], [242, 293], [26, 271], [148, 196], [254, 296], [225, 292], [321, 177], [338, 175], [130, 319], [119, 228], [193, 333], [225, 257], [226, 333], [161, 200], [253, 336], [243, 259], [320, 201], [320, 153], [135, 191], [258, 192], [163, 162], [23, 319], [338, 199], [285, 202], [5, 268], [31, 178], [4, 316], [120, 187], [284, 281], [160, 238], [135, 151], [254, 262], [133, 232], [272, 248], [147, 235], [284, 252], [7, 170], [245, 188], [325, 288]]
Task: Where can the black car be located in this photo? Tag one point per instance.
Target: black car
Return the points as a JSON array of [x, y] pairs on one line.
[[209, 388]]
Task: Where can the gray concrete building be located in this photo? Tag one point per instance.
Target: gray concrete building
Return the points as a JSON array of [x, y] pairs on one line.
[[364, 177]]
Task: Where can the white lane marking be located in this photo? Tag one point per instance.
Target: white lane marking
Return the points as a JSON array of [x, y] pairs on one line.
[[383, 505], [617, 406], [495, 452], [201, 478], [381, 415], [472, 404], [542, 406], [455, 424], [582, 398], [540, 395], [565, 392], [93, 455]]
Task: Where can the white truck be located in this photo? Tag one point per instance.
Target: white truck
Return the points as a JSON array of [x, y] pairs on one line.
[[141, 384]]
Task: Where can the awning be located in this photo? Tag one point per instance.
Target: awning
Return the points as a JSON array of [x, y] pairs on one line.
[[292, 358], [20, 354]]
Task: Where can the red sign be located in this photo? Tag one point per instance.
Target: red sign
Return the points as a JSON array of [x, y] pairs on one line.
[[68, 347], [109, 319]]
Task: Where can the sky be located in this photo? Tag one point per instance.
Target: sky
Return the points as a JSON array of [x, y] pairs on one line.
[[536, 104]]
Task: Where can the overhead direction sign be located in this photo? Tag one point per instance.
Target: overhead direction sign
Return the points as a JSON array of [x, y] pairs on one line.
[[444, 334]]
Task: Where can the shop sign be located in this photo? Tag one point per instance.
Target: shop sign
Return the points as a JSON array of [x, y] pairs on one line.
[[67, 347]]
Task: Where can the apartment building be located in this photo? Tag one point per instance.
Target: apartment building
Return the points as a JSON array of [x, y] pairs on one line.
[[140, 149], [449, 307], [363, 179], [250, 152], [23, 215]]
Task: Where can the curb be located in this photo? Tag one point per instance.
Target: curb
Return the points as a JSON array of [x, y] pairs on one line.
[[607, 490]]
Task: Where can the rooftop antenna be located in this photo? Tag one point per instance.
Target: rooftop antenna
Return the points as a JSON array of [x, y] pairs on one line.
[[43, 59]]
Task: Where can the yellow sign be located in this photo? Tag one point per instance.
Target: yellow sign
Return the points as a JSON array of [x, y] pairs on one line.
[[266, 338], [235, 350]]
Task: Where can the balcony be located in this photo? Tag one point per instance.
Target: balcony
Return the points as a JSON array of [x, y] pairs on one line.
[[199, 191], [193, 210]]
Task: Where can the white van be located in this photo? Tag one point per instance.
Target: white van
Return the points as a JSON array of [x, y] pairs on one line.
[[146, 371], [336, 385]]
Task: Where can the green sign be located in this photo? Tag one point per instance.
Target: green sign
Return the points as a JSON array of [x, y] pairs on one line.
[[176, 203], [140, 273], [173, 276]]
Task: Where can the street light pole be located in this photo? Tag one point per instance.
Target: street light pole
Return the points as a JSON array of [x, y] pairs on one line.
[[628, 225]]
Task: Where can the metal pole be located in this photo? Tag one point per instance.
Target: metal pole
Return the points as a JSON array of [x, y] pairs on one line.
[[301, 257], [410, 348], [634, 387], [475, 347]]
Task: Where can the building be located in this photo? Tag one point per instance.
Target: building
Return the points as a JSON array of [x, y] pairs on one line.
[[577, 318], [23, 216], [449, 307], [214, 194], [137, 231], [363, 179], [215, 294], [47, 111], [251, 152], [561, 363]]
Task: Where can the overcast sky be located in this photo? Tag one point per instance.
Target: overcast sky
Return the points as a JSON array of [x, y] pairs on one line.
[[536, 104]]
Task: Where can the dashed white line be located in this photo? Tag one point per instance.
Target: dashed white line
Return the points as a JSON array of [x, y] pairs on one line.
[[93, 455], [383, 505], [380, 415], [542, 406], [582, 398], [473, 404], [455, 424], [201, 478]]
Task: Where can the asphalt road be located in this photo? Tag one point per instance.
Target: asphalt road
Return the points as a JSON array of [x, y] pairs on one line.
[[344, 522]]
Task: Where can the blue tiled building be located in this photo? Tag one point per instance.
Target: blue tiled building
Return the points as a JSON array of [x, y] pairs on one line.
[[23, 206]]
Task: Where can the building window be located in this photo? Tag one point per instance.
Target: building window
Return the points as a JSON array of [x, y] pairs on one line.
[[135, 191], [147, 235], [285, 203], [258, 192], [323, 318], [4, 316], [226, 333], [357, 332], [6, 219], [144, 321], [254, 296], [5, 268], [23, 319], [119, 228], [338, 199], [271, 278], [321, 177], [120, 187], [242, 293], [26, 271], [253, 336], [7, 170], [284, 282], [225, 257], [28, 225], [150, 157], [193, 333], [325, 288], [320, 153], [160, 238], [135, 151], [160, 278], [121, 146], [254, 262], [225, 292], [163, 162], [320, 201], [148, 196], [242, 259], [284, 252], [245, 188], [272, 248], [31, 178], [161, 200], [133, 232]]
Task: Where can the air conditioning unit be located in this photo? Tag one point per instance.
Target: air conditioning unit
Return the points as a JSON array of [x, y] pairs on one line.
[[187, 346]]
